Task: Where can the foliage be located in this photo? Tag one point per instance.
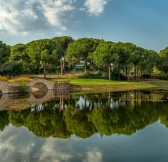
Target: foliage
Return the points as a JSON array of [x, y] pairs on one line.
[[163, 62], [19, 54], [64, 41], [12, 69], [118, 59], [4, 120], [4, 53], [81, 50], [91, 75], [24, 89], [43, 53]]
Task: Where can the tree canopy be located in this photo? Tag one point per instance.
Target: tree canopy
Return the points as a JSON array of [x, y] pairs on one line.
[[60, 54]]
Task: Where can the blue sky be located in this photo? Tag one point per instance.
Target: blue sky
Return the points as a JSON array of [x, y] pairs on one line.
[[142, 22]]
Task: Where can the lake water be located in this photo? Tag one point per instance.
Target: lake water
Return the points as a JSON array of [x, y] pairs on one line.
[[105, 127]]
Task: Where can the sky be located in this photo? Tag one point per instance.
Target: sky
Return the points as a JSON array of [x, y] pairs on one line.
[[142, 22]]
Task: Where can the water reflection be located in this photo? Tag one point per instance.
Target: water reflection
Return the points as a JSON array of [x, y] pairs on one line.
[[121, 127], [88, 114]]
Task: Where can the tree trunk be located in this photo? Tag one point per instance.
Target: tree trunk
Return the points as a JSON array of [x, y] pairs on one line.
[[118, 71], [44, 66], [109, 68], [126, 73], [85, 68], [62, 66], [135, 71]]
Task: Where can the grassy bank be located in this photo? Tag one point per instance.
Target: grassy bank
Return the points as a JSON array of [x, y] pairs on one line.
[[15, 79], [95, 85]]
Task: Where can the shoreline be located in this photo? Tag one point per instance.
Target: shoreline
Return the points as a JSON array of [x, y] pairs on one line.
[[99, 89]]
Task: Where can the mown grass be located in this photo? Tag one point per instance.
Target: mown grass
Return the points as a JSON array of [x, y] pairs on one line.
[[95, 85], [90, 82]]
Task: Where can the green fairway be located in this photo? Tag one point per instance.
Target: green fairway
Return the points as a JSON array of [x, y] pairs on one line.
[[80, 84], [94, 82], [91, 82]]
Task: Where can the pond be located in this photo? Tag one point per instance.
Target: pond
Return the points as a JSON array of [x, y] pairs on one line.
[[102, 127]]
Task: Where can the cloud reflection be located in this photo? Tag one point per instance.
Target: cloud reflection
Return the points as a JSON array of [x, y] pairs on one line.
[[18, 144]]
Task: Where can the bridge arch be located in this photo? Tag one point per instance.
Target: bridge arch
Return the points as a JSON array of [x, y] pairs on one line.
[[42, 84], [39, 87]]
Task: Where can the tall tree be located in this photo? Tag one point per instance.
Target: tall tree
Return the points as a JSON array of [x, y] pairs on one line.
[[106, 55], [44, 52], [125, 56], [4, 53], [124, 53], [136, 58], [18, 54], [64, 41], [164, 61], [148, 62], [80, 50]]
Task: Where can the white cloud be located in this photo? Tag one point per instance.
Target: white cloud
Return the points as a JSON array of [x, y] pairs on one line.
[[18, 144], [95, 7], [93, 155], [55, 151], [23, 16], [56, 11], [13, 148]]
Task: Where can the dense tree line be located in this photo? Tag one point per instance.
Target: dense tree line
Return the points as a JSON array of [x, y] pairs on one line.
[[95, 56]]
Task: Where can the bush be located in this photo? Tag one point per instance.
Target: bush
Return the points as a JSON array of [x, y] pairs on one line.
[[91, 75], [164, 77], [24, 89], [114, 76], [12, 69], [146, 76]]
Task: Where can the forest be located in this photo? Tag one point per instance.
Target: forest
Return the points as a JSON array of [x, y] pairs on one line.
[[95, 58]]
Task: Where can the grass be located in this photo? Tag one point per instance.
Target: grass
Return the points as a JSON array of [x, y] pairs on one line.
[[20, 79], [3, 78], [16, 79], [95, 85], [90, 82]]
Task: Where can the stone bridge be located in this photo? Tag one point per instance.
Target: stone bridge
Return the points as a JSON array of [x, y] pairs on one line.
[[41, 91], [34, 85]]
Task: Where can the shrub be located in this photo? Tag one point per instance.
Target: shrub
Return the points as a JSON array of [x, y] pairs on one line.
[[91, 75], [24, 89]]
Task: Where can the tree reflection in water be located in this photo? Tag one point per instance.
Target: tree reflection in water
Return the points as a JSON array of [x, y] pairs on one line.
[[87, 114]]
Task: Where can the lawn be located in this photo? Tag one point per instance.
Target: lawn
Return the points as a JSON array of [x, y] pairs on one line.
[[89, 82], [80, 84]]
